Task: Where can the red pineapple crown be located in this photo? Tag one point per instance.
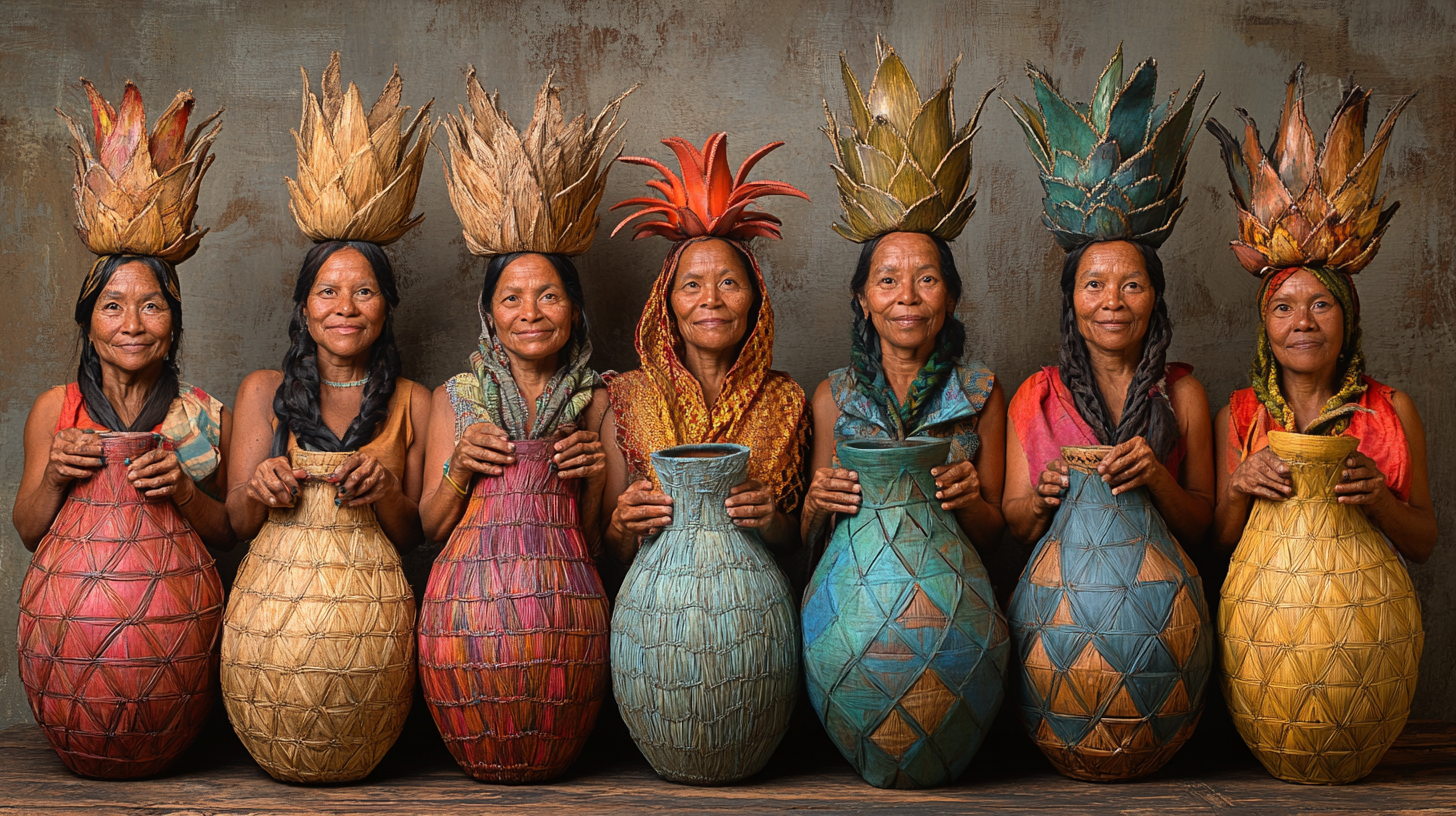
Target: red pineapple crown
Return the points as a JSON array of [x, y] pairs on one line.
[[706, 200]]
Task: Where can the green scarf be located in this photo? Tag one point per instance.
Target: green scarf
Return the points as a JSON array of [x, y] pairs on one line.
[[869, 376]]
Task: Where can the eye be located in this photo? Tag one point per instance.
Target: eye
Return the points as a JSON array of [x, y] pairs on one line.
[[327, 291], [1281, 307], [690, 285], [509, 299], [110, 307], [887, 281], [927, 279], [549, 297], [729, 283], [366, 292], [1093, 284], [1133, 286]]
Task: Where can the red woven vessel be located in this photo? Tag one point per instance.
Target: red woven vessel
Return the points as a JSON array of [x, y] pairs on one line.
[[514, 627], [119, 618]]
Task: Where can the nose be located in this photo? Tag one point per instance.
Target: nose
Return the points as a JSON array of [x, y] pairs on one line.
[[908, 294], [1112, 299], [132, 321], [1304, 321], [712, 297], [530, 310]]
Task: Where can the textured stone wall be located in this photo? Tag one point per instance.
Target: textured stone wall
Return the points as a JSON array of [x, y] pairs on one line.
[[759, 70]]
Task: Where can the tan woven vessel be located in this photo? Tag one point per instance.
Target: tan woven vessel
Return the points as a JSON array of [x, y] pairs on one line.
[[1320, 627], [318, 646]]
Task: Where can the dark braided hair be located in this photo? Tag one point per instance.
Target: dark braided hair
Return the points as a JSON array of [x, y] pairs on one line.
[[88, 373], [296, 403], [952, 337], [1145, 413]]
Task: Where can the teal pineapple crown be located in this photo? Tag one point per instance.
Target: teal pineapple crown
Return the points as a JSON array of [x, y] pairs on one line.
[[1111, 169]]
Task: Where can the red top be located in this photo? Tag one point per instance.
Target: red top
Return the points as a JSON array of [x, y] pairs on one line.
[[1045, 417], [1381, 435], [74, 415]]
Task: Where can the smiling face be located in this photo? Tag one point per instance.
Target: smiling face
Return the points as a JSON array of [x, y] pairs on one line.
[[345, 309], [906, 295], [1306, 326], [712, 297], [131, 324], [530, 309], [1113, 297]]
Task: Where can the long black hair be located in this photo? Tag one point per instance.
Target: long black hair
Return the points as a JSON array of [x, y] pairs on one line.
[[952, 336], [565, 269], [296, 403], [1144, 413], [88, 373]]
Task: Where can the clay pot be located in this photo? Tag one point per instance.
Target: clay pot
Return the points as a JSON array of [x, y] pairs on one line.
[[1320, 626], [513, 629], [705, 641], [1112, 629], [119, 618], [318, 647], [905, 651]]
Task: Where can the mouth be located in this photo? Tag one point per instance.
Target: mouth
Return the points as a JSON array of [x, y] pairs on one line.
[[134, 348], [344, 329], [1112, 325], [711, 323], [907, 322]]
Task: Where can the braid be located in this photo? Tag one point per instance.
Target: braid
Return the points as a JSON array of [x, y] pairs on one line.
[[88, 371]]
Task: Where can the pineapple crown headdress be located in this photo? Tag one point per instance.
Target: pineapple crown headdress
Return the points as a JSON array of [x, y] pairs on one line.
[[531, 192], [903, 166], [357, 174], [1111, 169], [708, 200], [1303, 204], [137, 194]]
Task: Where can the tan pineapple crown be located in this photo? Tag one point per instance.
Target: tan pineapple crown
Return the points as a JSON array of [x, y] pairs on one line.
[[357, 173], [528, 192]]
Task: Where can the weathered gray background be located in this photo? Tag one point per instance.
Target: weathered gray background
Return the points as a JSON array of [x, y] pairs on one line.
[[759, 70]]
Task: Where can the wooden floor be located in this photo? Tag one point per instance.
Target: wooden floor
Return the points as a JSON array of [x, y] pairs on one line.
[[1214, 773]]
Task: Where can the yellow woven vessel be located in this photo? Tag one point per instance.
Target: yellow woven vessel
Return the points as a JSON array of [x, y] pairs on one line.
[[318, 645], [1320, 627]]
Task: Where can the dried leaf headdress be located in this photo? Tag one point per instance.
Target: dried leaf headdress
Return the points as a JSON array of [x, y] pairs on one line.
[[531, 192], [903, 166], [357, 174], [1112, 169], [708, 200], [1303, 204]]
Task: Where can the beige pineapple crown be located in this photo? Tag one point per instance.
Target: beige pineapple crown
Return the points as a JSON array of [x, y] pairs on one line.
[[535, 191], [357, 172]]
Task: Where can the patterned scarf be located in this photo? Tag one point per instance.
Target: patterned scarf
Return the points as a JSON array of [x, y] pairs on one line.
[[1334, 417], [869, 377]]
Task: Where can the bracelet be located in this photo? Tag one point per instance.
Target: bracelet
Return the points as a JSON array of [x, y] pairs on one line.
[[458, 489]]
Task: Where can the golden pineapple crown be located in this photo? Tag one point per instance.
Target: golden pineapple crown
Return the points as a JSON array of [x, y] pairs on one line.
[[1307, 204], [536, 191], [903, 166], [136, 194], [357, 173]]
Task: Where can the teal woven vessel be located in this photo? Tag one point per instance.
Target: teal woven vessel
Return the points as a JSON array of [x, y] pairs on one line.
[[904, 649], [705, 641], [1111, 626]]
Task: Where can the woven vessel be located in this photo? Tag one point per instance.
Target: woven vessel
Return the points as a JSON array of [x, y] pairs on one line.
[[318, 647], [119, 618], [705, 642], [1320, 627], [513, 628], [1112, 629], [905, 651]]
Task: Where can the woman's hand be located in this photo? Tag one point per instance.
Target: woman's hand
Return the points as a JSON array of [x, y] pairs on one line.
[[158, 475], [275, 482], [1265, 476], [833, 490], [1048, 494], [957, 485], [642, 511], [484, 448], [1361, 482], [75, 454], [1130, 465], [362, 479], [580, 456], [751, 505]]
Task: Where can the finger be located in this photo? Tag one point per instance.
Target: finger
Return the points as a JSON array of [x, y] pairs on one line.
[[487, 455], [581, 461], [839, 486], [495, 441], [749, 497], [582, 472], [75, 461]]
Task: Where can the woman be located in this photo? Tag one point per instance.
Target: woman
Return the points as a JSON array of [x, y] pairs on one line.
[[706, 343], [1113, 385], [130, 319], [1309, 370]]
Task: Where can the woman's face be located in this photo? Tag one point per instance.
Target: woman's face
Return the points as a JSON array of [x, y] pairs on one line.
[[530, 309], [131, 323], [1306, 325], [345, 309], [1113, 297], [712, 297], [905, 296]]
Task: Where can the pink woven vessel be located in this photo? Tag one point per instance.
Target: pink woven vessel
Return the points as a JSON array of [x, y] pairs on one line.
[[514, 627], [119, 619]]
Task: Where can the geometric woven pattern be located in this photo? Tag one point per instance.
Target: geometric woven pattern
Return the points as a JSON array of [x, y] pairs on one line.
[[1320, 626], [1112, 630], [513, 628], [119, 618], [905, 652], [705, 641], [318, 646]]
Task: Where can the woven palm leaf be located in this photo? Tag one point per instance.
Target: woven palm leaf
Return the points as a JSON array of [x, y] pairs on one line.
[[1112, 169], [1307, 204], [903, 166], [136, 194], [357, 173], [528, 192]]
